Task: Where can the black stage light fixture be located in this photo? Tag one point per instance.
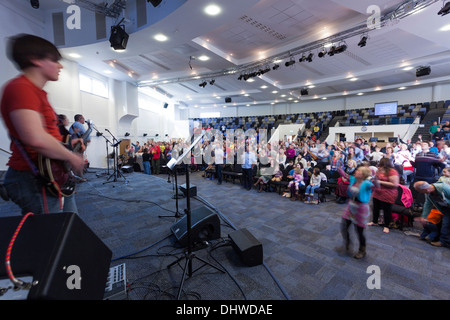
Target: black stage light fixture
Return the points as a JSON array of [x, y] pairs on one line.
[[155, 3], [332, 50], [304, 92], [275, 67], [144, 135], [212, 82], [118, 38], [341, 48], [445, 9], [240, 77], [310, 57], [228, 100], [303, 58], [362, 42], [423, 71], [127, 134], [203, 84], [322, 53], [289, 63], [34, 4]]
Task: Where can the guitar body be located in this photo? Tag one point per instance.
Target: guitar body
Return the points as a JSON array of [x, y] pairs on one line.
[[57, 176]]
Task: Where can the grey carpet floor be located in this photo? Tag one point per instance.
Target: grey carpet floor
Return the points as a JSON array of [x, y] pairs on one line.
[[299, 242]]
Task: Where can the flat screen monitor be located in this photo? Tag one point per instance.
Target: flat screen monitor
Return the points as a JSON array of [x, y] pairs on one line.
[[385, 108]]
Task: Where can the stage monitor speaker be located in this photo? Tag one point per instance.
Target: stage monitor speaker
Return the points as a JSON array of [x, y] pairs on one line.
[[192, 190], [155, 3], [60, 252], [392, 139], [205, 225], [247, 247]]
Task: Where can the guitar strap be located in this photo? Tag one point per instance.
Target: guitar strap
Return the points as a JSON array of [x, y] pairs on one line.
[[45, 182]]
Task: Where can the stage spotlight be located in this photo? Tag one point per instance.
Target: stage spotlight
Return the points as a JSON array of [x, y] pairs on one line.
[[275, 67], [144, 135], [304, 92], [322, 53], [310, 57], [362, 42], [445, 9], [212, 82], [240, 77], [332, 51], [155, 3], [423, 71], [127, 134], [34, 4], [289, 63], [203, 84], [303, 58], [341, 48], [118, 38]]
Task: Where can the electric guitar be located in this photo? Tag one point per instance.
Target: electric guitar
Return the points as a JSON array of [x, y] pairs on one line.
[[57, 175]]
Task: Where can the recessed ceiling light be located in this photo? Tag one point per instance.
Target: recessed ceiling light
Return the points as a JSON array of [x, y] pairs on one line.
[[359, 93], [353, 79], [445, 28], [212, 10], [160, 37], [274, 91], [263, 87], [311, 86], [402, 88], [74, 55], [203, 58], [408, 68], [324, 98]]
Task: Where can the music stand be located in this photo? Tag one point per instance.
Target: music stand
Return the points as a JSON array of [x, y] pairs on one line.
[[189, 256], [116, 172]]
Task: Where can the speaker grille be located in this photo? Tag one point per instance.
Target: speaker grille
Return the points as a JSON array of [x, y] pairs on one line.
[[58, 29]]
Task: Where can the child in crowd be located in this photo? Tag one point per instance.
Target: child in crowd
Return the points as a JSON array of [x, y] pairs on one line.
[[445, 175], [430, 231], [298, 181], [314, 183], [358, 208]]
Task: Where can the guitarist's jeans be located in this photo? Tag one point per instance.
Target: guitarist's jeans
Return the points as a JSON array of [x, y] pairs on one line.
[[25, 190]]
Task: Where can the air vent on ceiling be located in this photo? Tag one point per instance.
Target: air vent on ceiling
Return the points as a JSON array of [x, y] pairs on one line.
[[262, 27]]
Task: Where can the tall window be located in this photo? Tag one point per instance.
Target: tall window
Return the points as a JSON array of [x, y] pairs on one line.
[[93, 85]]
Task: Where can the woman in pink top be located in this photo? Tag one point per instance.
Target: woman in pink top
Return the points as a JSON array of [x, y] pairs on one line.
[[385, 193]]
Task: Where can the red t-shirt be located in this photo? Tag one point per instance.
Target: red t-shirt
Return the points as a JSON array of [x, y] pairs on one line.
[[21, 93], [156, 151]]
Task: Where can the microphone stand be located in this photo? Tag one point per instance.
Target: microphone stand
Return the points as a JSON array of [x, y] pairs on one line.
[[107, 151], [189, 255], [176, 196], [116, 172]]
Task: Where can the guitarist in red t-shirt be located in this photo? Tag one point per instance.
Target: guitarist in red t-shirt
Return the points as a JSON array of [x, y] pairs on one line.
[[32, 124]]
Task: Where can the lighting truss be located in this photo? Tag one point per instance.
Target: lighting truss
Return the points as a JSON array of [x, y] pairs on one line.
[[399, 12]]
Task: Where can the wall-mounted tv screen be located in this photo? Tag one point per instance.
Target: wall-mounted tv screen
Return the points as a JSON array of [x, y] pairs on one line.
[[386, 108]]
